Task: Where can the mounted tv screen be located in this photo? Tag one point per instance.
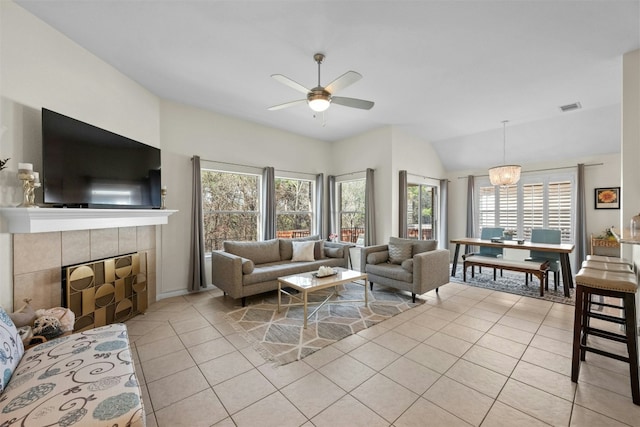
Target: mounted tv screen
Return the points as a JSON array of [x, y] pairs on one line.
[[85, 166]]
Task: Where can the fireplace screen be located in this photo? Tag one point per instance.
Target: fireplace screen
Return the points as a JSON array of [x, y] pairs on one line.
[[106, 291]]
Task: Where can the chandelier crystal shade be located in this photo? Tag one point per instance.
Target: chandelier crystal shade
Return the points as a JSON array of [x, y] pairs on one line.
[[505, 174]]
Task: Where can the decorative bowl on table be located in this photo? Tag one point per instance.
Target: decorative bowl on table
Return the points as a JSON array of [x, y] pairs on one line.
[[325, 272]]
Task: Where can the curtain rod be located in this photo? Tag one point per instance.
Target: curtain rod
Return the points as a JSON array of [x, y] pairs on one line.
[[229, 163], [539, 170], [350, 173], [425, 177], [255, 167]]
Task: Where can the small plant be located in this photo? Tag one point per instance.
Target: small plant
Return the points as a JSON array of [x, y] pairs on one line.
[[3, 163]]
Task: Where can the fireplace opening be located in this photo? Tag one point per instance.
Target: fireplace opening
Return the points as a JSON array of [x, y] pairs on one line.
[[105, 291]]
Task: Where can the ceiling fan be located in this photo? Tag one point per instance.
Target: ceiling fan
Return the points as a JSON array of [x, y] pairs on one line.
[[320, 98]]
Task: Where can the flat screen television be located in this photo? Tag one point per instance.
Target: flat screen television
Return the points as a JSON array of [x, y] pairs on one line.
[[85, 166]]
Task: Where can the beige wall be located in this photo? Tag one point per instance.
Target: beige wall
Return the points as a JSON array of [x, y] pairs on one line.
[[40, 67]]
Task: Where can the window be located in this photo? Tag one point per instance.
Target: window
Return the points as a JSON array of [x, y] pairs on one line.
[[230, 207], [421, 211], [535, 202], [294, 214], [351, 214]]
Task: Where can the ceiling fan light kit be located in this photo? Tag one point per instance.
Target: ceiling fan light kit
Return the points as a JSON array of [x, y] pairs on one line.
[[504, 174], [320, 97]]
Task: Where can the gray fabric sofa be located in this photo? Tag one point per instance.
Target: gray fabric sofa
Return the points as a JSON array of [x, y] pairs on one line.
[[407, 264], [243, 269]]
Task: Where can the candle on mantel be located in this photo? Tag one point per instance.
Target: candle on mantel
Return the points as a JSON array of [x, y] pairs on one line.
[[164, 187], [25, 166]]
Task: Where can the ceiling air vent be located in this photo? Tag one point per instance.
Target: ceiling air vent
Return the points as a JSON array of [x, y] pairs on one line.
[[570, 107]]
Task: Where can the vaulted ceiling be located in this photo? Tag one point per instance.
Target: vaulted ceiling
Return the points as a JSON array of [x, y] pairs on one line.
[[448, 72]]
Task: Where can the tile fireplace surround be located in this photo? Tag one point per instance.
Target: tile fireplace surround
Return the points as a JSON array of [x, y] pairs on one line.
[[38, 258]]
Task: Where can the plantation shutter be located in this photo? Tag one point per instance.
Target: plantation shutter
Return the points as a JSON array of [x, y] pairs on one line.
[[532, 208], [508, 210], [560, 208], [487, 207]]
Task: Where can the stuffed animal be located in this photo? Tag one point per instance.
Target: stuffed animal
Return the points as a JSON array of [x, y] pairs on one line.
[[25, 316]]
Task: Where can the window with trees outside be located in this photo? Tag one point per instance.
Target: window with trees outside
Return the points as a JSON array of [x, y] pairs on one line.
[[294, 207], [351, 215], [421, 207], [230, 207], [534, 202]]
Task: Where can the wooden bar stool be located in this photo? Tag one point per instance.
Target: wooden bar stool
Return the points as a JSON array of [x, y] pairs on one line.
[[589, 282]]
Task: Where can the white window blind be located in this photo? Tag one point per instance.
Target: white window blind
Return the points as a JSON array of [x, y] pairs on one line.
[[537, 201], [560, 208], [508, 207], [532, 208], [486, 207]]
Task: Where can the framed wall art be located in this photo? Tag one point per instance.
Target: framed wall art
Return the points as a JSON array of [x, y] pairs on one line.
[[607, 198]]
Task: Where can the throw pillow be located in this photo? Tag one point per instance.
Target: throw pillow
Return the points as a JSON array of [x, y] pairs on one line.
[[377, 257], [12, 348], [247, 266], [286, 249], [407, 265], [303, 251], [334, 252], [399, 252]]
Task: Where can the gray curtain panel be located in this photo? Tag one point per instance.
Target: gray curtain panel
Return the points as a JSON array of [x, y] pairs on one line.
[[470, 211], [197, 277], [443, 239], [402, 204], [319, 204], [369, 210], [581, 218], [268, 203], [331, 209]]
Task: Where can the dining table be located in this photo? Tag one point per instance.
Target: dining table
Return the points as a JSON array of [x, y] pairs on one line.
[[563, 249]]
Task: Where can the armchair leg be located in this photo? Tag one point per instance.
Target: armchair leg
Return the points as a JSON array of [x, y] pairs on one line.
[[413, 296], [244, 301], [371, 285], [437, 289]]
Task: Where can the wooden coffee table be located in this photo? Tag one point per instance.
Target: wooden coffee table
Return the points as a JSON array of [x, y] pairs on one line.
[[307, 283]]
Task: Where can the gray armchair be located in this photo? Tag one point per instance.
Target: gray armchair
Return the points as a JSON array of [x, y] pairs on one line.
[[407, 264]]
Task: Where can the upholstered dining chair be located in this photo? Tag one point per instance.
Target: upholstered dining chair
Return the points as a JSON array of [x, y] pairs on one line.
[[488, 233], [546, 235]]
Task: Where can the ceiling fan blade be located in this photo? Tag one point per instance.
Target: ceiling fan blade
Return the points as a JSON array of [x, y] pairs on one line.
[[347, 79], [352, 102], [293, 85], [286, 105]]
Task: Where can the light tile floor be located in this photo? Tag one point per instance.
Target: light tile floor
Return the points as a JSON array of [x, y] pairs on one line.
[[468, 356]]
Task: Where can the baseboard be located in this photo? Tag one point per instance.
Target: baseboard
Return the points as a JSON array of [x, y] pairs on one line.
[[181, 292]]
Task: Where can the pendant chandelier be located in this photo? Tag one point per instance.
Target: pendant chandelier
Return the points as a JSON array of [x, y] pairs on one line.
[[505, 174]]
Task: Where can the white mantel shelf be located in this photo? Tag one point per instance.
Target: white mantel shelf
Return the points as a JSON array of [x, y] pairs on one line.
[[41, 220]]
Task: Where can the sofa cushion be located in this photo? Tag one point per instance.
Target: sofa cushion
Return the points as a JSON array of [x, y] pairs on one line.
[[85, 379], [318, 249], [398, 252], [258, 252], [407, 264], [11, 348], [419, 246], [390, 271], [303, 251], [268, 272], [378, 257], [334, 252], [286, 248]]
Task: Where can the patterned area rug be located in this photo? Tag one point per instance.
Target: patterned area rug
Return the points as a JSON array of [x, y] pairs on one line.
[[281, 338], [513, 283]]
